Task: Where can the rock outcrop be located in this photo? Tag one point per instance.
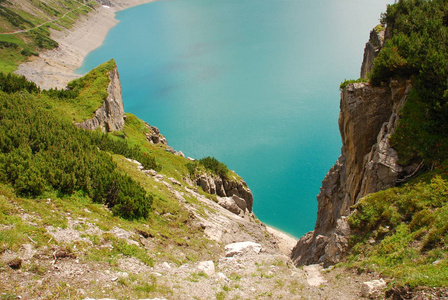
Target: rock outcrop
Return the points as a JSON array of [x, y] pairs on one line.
[[238, 196], [367, 164], [110, 116], [371, 50], [154, 136]]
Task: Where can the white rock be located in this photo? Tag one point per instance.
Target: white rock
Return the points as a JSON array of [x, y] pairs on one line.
[[208, 267], [241, 247], [222, 276], [166, 265], [368, 288], [174, 181]]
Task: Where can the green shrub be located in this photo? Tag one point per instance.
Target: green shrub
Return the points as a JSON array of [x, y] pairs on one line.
[[11, 83], [215, 166], [40, 150], [346, 82], [416, 48], [401, 231]]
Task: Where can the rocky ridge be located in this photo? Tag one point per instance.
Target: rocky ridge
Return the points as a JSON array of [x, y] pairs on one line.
[[367, 162], [110, 116]]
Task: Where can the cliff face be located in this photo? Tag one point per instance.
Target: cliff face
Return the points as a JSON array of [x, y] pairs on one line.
[[371, 50], [110, 116], [367, 164]]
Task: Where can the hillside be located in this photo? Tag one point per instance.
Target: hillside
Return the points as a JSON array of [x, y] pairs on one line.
[[120, 214], [94, 203]]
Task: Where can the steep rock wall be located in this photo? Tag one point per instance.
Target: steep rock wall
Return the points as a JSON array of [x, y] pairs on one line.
[[371, 50], [367, 162], [110, 116]]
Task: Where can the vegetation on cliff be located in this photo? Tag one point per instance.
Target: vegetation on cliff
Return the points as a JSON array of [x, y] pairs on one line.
[[417, 31], [402, 232], [42, 151]]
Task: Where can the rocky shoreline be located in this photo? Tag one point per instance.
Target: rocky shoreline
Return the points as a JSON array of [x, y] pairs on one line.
[[55, 68]]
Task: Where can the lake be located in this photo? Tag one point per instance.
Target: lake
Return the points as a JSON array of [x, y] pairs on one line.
[[254, 83]]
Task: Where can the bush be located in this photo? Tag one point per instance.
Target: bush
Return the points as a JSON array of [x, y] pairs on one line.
[[217, 167], [11, 83], [417, 49], [40, 151]]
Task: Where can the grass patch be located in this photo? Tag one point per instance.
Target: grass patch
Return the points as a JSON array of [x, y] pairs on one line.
[[346, 82], [402, 232]]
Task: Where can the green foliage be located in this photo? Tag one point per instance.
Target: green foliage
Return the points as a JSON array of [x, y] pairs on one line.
[[11, 83], [14, 18], [86, 94], [402, 231], [215, 166], [42, 151], [41, 38], [122, 147], [416, 48], [346, 82]]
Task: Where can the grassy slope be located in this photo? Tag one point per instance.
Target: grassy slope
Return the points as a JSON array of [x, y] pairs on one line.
[[28, 219]]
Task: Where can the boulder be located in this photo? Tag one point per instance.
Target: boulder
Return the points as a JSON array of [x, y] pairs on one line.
[[241, 248], [208, 267], [370, 288], [230, 205]]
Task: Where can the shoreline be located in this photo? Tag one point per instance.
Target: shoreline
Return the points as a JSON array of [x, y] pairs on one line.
[[55, 68], [286, 242]]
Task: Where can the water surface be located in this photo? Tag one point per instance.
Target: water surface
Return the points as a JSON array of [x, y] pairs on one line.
[[253, 83]]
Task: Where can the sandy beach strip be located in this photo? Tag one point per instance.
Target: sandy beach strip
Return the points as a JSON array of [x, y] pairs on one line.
[[286, 242], [55, 68]]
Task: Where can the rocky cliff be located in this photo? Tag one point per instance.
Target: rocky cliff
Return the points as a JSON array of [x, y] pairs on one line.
[[368, 116], [110, 116], [372, 48]]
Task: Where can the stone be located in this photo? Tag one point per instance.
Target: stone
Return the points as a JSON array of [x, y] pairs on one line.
[[208, 267], [174, 181], [229, 204], [242, 247], [369, 288], [240, 202]]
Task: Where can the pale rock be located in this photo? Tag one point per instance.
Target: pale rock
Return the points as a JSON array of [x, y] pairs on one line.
[[208, 267], [369, 288], [242, 247], [159, 177], [313, 275], [222, 276], [174, 181], [229, 204]]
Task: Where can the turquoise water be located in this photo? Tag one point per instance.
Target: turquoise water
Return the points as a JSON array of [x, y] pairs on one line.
[[253, 83]]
